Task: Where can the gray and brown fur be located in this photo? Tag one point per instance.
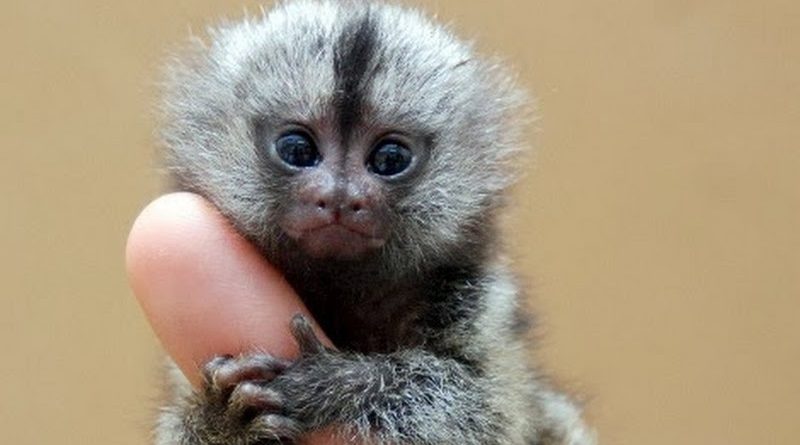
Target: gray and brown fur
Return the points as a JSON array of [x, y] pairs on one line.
[[431, 347]]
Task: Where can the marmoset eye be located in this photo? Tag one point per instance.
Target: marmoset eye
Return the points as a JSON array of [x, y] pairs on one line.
[[389, 158], [297, 149]]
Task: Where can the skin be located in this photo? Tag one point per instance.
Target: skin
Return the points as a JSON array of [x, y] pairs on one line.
[[205, 290]]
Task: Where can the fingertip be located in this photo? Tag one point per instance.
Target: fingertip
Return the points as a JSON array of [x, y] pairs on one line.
[[160, 235], [205, 290]]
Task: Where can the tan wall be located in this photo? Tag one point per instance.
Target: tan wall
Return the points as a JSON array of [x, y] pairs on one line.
[[660, 224]]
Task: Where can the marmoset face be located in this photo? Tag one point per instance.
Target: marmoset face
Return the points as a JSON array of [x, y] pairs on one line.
[[343, 132]]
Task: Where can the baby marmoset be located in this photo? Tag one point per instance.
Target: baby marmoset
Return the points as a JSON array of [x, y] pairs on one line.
[[365, 151]]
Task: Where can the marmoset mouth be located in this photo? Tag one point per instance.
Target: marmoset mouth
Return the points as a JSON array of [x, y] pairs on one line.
[[335, 241]]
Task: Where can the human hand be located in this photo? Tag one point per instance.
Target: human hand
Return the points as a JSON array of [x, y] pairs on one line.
[[205, 290]]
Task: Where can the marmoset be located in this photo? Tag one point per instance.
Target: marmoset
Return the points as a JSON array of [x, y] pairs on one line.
[[365, 151]]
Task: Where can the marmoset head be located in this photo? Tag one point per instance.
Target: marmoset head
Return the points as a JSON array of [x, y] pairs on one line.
[[344, 131]]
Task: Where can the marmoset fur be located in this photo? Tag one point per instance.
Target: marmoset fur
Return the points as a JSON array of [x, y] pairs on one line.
[[365, 151]]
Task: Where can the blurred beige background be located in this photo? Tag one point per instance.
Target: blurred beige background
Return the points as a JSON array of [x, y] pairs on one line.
[[659, 225]]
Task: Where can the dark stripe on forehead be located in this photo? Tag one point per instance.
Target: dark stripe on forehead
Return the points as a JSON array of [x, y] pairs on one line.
[[353, 53]]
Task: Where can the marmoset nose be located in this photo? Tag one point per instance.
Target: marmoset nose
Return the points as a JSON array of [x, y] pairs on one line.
[[326, 199], [342, 205]]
